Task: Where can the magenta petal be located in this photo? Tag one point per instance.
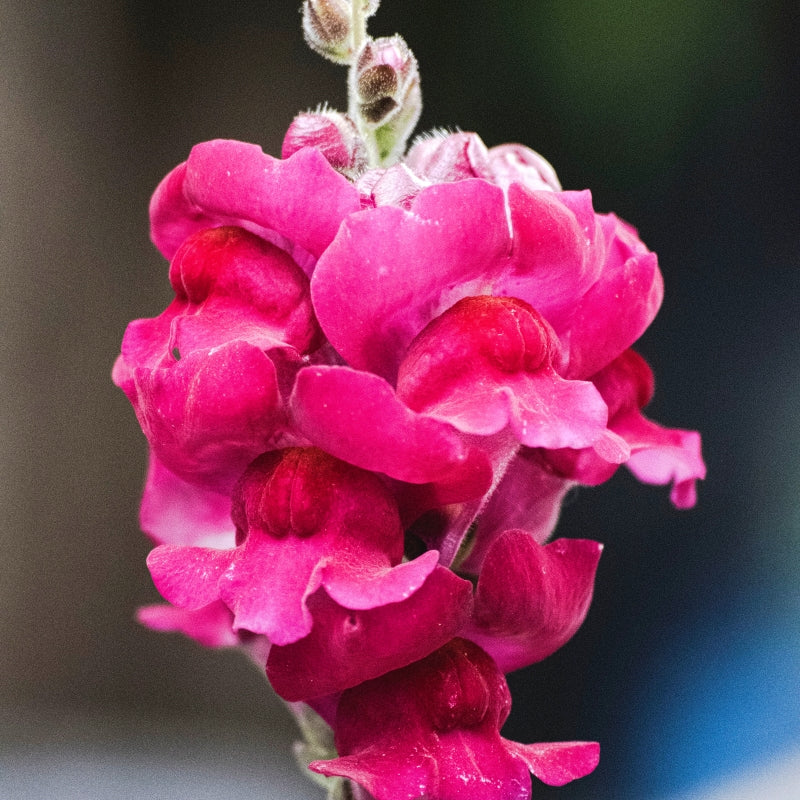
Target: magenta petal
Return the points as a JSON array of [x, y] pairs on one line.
[[347, 647], [176, 512], [394, 270], [211, 625], [613, 314], [385, 772], [269, 584], [297, 202], [359, 584], [528, 497], [557, 763], [188, 576], [357, 417], [555, 263], [670, 456], [531, 598], [199, 420]]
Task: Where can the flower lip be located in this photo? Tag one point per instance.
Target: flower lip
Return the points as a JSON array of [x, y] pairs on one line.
[[506, 332], [281, 493]]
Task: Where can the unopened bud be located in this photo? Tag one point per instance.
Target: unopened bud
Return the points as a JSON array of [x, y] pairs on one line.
[[333, 134], [326, 26], [384, 78]]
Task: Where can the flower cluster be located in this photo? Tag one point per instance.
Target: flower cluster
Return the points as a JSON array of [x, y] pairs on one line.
[[364, 407]]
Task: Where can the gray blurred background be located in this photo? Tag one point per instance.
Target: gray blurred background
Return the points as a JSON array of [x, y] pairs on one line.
[[681, 116]]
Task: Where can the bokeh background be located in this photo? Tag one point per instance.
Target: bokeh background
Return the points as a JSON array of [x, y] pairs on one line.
[[681, 116]]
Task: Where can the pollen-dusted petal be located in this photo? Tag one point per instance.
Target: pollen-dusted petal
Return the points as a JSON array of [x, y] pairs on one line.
[[531, 598], [357, 417], [431, 730], [297, 203], [347, 647]]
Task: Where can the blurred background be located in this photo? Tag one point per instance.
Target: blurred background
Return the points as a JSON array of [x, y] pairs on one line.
[[680, 116]]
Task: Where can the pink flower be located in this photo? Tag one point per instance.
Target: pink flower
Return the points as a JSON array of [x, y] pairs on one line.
[[658, 455], [320, 551], [531, 598], [204, 377], [431, 730]]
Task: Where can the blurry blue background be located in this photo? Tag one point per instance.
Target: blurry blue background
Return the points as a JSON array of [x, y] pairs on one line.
[[680, 116]]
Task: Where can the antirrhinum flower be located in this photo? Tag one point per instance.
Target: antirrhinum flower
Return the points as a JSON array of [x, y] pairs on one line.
[[381, 373]]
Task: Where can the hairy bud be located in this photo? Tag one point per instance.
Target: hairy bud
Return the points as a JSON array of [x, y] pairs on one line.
[[334, 135], [326, 26], [384, 77]]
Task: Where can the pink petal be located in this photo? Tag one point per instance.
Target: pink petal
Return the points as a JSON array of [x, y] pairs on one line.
[[557, 763], [362, 583], [347, 647], [297, 203], [528, 497], [392, 269], [176, 512], [209, 414], [668, 455], [531, 598], [615, 312], [555, 259], [357, 417], [188, 577], [487, 362], [515, 163], [211, 625]]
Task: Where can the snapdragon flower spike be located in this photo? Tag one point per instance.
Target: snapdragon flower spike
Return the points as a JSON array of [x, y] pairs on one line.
[[200, 376], [658, 455], [531, 598], [432, 730], [306, 522], [297, 204]]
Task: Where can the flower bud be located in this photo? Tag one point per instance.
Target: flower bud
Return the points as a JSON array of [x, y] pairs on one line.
[[326, 26], [384, 79], [334, 135]]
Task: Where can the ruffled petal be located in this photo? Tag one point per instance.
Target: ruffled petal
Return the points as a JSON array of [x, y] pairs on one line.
[[394, 270], [357, 417], [531, 598], [557, 763], [297, 204], [347, 647]]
